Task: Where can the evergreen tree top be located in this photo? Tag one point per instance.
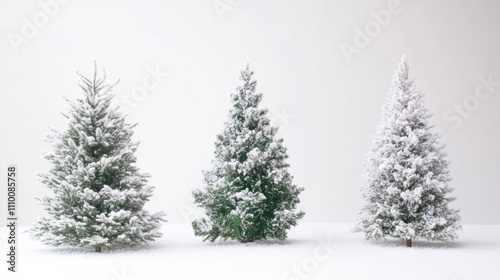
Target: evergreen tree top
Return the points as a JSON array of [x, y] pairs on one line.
[[405, 105], [245, 96]]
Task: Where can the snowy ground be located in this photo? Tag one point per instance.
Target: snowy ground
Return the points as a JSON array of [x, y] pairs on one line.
[[313, 251]]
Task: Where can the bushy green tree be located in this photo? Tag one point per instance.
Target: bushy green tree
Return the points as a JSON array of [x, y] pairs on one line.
[[98, 193], [249, 194]]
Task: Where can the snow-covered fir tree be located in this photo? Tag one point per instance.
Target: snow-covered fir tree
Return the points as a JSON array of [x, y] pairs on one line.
[[407, 173], [249, 194], [98, 192]]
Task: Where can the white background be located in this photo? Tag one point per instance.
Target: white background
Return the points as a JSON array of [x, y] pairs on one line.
[[294, 47]]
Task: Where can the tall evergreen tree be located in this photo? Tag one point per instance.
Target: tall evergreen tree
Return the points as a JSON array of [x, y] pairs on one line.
[[407, 173], [249, 194], [98, 192]]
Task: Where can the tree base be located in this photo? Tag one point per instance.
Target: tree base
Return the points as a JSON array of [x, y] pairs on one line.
[[98, 249], [408, 242]]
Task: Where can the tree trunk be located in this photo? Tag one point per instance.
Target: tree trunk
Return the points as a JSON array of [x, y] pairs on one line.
[[98, 249], [246, 240], [408, 242]]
